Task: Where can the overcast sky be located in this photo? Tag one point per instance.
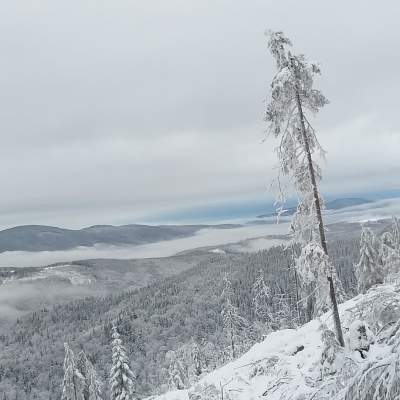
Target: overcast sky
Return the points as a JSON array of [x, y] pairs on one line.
[[113, 110]]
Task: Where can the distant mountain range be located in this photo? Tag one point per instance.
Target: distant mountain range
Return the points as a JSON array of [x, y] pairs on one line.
[[336, 204], [49, 238]]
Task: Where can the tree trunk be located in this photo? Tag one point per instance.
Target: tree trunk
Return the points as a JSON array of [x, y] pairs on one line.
[[317, 203]]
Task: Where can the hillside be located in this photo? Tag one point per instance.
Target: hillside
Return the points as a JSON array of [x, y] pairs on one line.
[[287, 363], [164, 316], [49, 238], [23, 290]]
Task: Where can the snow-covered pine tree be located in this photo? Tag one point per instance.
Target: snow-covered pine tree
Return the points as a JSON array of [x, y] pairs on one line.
[[313, 266], [121, 377], [176, 374], [368, 270], [292, 95], [282, 313], [261, 299], [389, 249], [332, 354], [396, 232], [197, 362], [389, 256], [94, 385], [74, 382], [92, 389], [233, 322]]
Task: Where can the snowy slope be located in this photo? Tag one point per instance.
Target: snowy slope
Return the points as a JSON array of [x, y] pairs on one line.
[[286, 365]]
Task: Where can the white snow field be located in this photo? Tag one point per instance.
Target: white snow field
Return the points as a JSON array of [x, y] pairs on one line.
[[286, 365]]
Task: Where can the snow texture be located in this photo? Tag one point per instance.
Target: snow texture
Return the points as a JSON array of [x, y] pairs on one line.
[[308, 362]]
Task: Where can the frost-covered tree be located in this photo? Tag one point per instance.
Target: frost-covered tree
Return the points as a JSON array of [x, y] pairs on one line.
[[282, 316], [389, 249], [176, 373], [121, 376], [94, 385], [313, 266], [396, 232], [293, 95], [368, 270], [261, 299], [73, 383], [197, 362], [332, 354], [92, 389], [233, 323]]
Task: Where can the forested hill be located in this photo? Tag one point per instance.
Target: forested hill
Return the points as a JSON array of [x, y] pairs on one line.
[[167, 315], [308, 363], [49, 238]]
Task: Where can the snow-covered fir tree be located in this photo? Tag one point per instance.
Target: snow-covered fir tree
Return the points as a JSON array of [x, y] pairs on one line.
[[176, 373], [368, 270], [389, 249], [261, 299], [197, 362], [332, 353], [94, 385], [282, 316], [233, 323], [313, 266], [74, 383], [92, 390], [396, 232], [121, 376], [292, 96]]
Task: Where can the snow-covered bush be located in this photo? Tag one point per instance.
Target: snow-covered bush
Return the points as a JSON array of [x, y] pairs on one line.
[[265, 367], [360, 337], [208, 392], [332, 355]]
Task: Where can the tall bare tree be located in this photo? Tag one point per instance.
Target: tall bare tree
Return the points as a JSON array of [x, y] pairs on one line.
[[292, 95]]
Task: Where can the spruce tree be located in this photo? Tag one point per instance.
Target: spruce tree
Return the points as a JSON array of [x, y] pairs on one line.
[[293, 95], [368, 270], [92, 388], [73, 382], [232, 321], [261, 299], [176, 374], [196, 359], [93, 385], [121, 377]]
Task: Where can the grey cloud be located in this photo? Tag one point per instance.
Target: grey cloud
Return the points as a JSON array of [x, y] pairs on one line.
[[128, 107]]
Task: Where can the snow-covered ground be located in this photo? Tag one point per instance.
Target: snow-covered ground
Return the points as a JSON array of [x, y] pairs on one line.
[[66, 272], [287, 363]]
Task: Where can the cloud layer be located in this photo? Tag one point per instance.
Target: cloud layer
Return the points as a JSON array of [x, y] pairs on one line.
[[110, 111]]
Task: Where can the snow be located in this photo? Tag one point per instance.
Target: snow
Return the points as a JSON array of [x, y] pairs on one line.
[[67, 272], [218, 251], [288, 361]]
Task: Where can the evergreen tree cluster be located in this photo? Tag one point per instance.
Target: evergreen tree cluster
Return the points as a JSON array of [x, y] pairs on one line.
[[182, 313]]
